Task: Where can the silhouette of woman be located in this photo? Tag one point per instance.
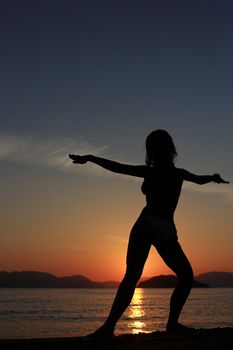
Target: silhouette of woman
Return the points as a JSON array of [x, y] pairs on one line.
[[155, 225]]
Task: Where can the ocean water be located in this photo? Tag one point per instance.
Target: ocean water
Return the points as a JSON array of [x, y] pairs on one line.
[[36, 313]]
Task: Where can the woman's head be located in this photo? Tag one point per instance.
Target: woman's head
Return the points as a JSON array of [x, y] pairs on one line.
[[160, 148]]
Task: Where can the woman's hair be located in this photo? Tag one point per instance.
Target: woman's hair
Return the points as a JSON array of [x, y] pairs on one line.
[[160, 149]]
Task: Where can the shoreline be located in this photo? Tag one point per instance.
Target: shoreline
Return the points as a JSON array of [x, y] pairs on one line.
[[201, 339]]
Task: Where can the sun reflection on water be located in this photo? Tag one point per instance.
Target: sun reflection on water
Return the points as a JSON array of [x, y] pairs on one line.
[[136, 313]]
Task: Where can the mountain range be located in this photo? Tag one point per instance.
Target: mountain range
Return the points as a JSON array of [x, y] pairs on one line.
[[35, 279]]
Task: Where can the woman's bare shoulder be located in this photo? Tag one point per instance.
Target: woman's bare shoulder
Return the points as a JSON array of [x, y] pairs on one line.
[[183, 173]]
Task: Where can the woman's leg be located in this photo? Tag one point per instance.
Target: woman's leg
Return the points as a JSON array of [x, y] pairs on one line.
[[175, 258], [138, 250]]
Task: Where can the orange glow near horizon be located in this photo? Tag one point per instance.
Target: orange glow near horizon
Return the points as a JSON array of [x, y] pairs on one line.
[[101, 264], [90, 240]]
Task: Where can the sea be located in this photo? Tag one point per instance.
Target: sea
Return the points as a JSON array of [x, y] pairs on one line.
[[46, 313]]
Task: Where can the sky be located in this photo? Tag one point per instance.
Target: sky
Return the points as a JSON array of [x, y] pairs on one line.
[[96, 77]]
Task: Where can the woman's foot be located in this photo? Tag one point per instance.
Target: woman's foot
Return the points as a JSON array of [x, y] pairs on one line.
[[178, 328], [102, 332]]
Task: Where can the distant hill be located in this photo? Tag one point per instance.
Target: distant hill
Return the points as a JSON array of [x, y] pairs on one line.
[[34, 279], [217, 279], [166, 281]]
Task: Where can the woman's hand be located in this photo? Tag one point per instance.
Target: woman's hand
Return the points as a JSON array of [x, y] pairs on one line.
[[79, 159], [217, 178]]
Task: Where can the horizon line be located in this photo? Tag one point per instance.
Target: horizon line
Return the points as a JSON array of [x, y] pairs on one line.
[[80, 275]]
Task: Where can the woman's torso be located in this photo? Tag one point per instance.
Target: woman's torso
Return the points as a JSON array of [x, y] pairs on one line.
[[162, 187]]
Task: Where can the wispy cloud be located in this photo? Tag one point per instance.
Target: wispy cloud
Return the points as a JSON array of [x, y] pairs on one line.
[[71, 248], [224, 190], [50, 152], [53, 152], [116, 239]]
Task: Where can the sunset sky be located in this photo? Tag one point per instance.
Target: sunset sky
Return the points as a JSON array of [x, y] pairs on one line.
[[97, 76]]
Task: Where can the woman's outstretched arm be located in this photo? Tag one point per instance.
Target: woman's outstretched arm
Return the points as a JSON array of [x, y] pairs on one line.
[[120, 168], [202, 179]]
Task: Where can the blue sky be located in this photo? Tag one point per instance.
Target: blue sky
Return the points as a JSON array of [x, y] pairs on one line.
[[97, 77]]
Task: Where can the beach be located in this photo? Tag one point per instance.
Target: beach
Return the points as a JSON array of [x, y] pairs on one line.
[[201, 339]]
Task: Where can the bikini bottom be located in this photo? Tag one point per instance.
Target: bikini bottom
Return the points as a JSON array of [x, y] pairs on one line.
[[162, 231]]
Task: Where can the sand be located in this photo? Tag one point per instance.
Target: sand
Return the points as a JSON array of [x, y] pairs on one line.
[[200, 339]]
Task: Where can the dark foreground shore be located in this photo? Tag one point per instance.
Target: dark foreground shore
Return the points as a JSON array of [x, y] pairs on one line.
[[200, 339]]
